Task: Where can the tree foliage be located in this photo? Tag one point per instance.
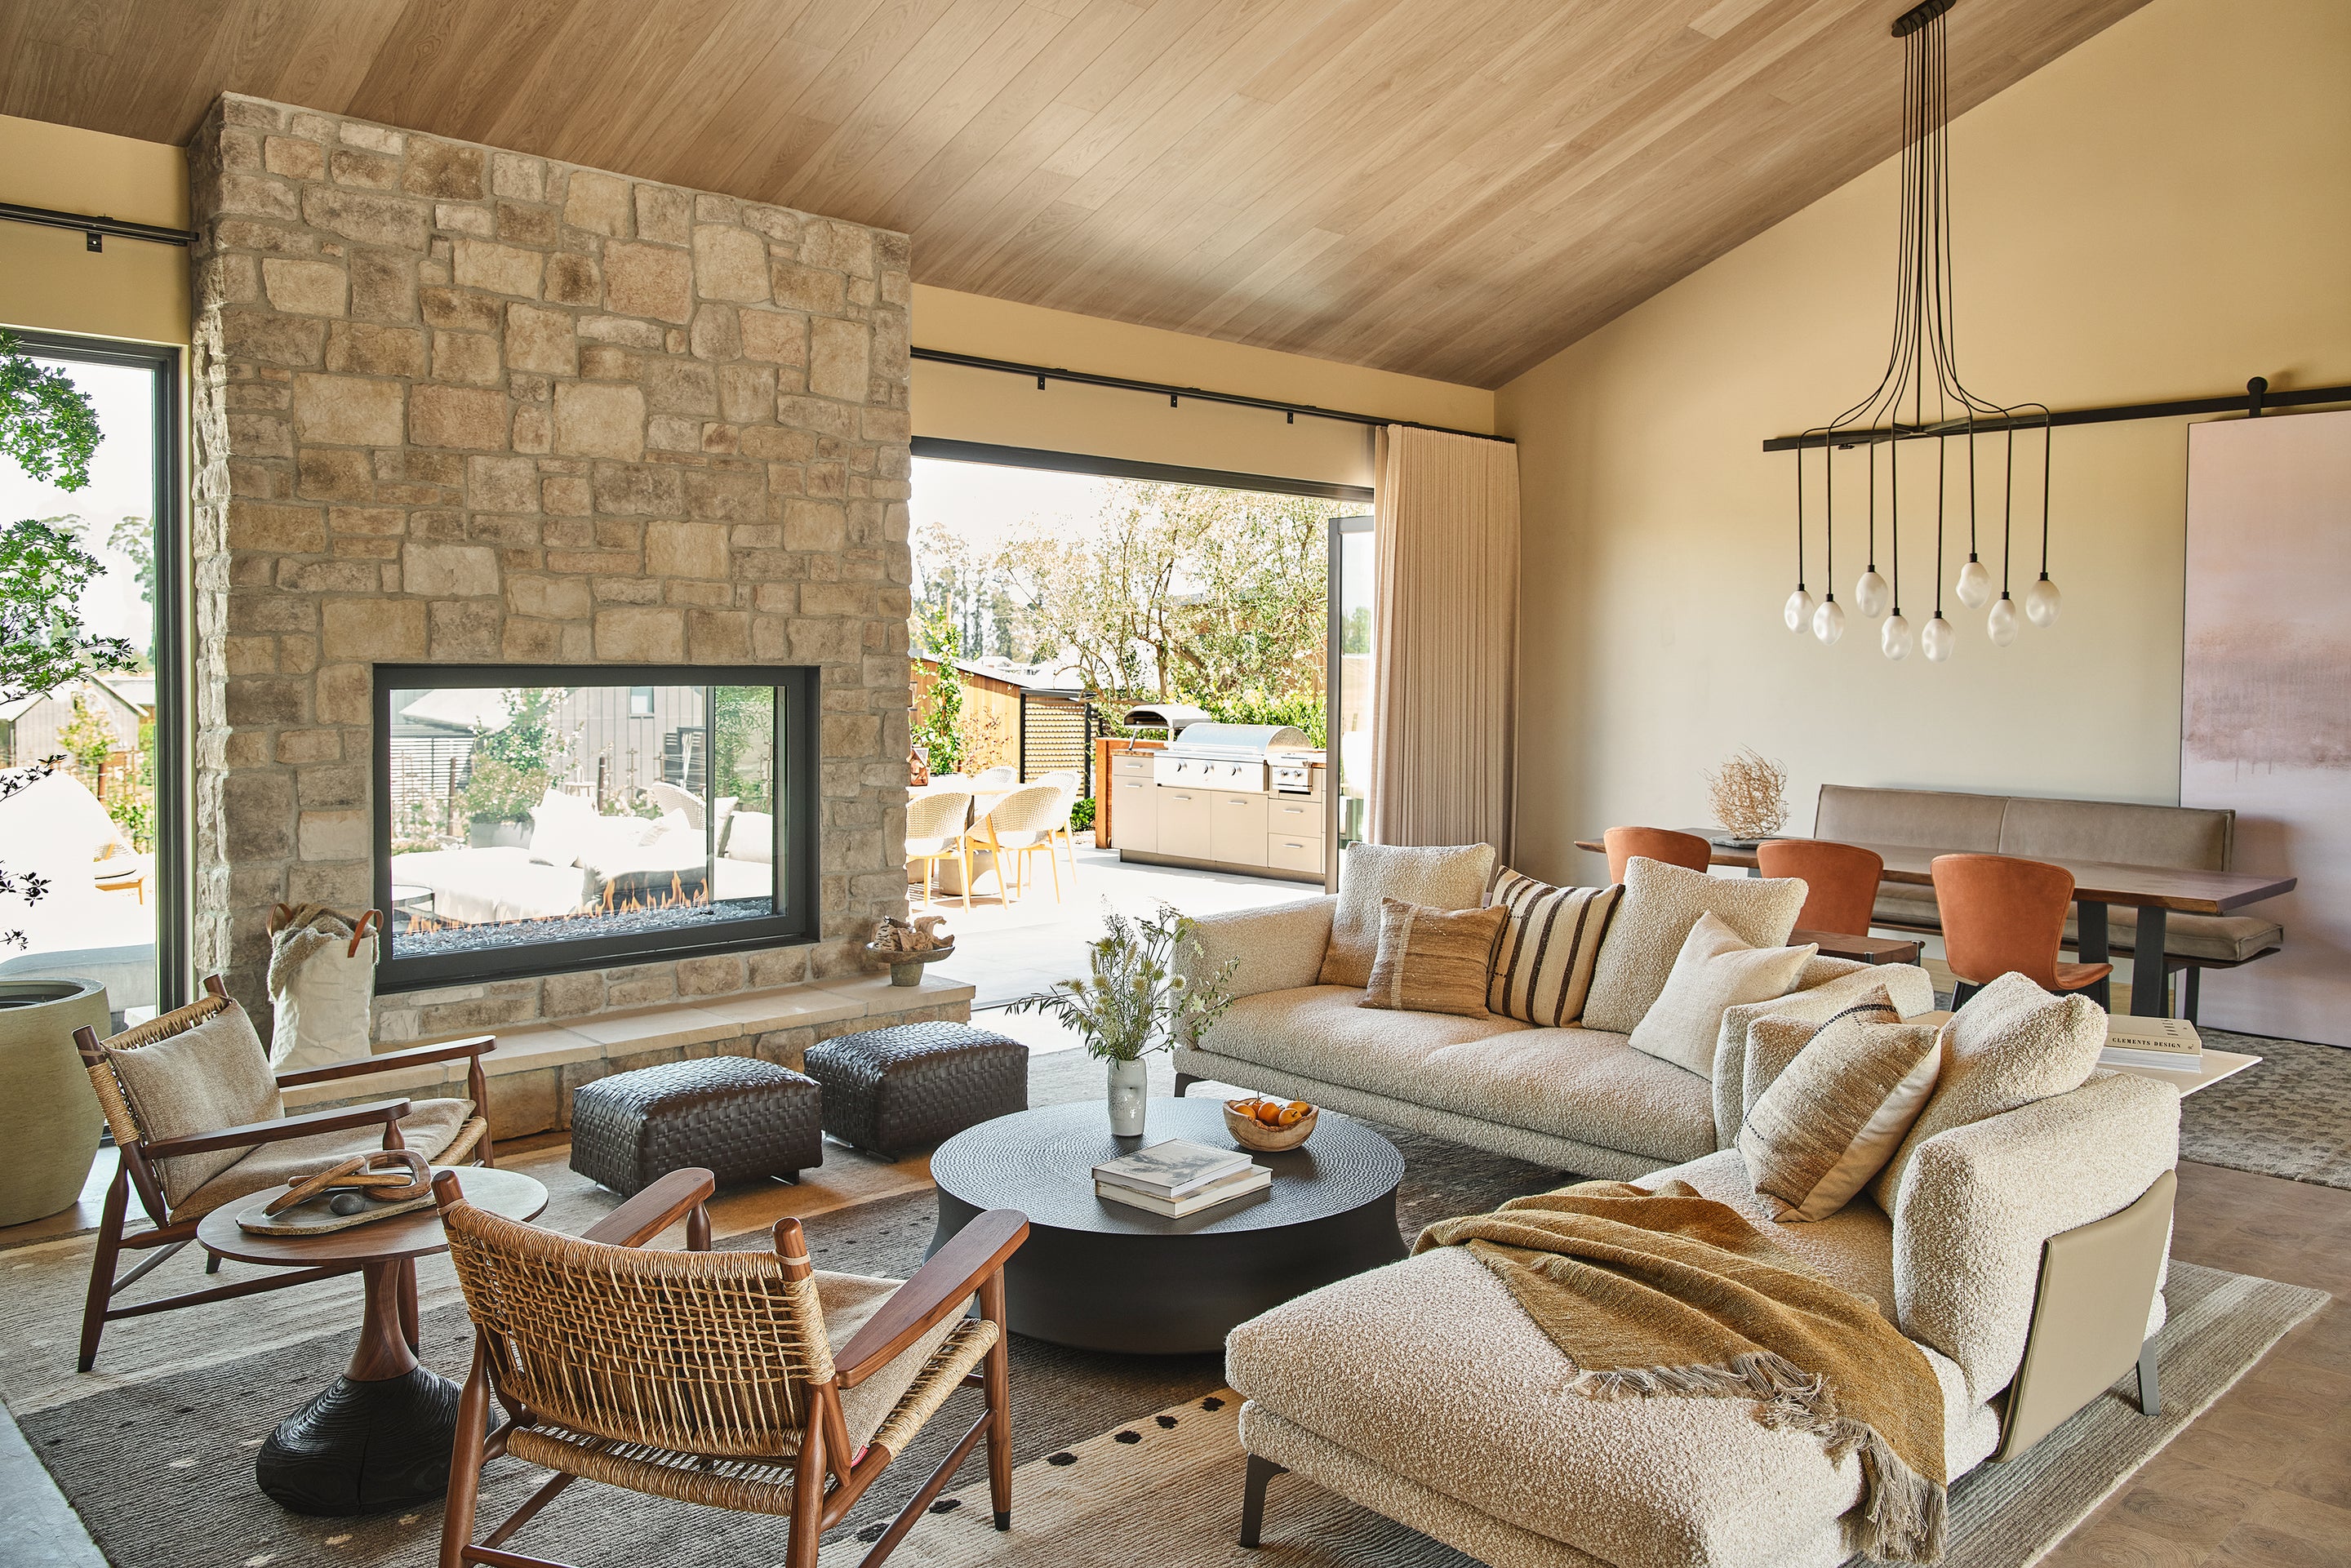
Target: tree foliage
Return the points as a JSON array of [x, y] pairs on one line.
[[44, 572], [46, 423]]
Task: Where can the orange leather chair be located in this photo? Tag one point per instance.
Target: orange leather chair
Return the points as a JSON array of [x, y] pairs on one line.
[[1685, 849], [2001, 914], [1843, 880]]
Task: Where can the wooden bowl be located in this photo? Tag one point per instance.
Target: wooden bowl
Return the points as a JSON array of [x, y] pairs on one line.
[[1251, 1133]]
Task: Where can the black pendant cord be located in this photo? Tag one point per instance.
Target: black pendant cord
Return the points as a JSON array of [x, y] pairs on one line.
[[1942, 486], [2007, 516], [1800, 523], [2046, 454], [1828, 525], [1873, 507], [1894, 528]]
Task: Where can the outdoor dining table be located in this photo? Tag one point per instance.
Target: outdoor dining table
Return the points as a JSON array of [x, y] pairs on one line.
[[2157, 892]]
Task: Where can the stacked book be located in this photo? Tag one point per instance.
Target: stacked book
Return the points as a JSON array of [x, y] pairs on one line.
[[2164, 1043], [1180, 1177]]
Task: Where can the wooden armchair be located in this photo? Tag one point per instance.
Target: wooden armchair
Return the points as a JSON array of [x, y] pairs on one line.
[[199, 1122], [709, 1376]]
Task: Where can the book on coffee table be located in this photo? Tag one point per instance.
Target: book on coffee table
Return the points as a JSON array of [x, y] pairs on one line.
[[2169, 1042], [1247, 1182], [1172, 1170]]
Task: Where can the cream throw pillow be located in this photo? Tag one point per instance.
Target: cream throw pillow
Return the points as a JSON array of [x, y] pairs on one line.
[[206, 1078], [2013, 1045], [1715, 971], [1836, 1116], [1442, 877], [1432, 960], [1543, 965], [1661, 904]]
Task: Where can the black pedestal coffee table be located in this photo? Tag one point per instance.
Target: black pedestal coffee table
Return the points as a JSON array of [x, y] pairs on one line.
[[1102, 1276]]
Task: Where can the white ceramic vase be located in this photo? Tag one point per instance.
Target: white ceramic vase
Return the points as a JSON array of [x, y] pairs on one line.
[[1129, 1092]]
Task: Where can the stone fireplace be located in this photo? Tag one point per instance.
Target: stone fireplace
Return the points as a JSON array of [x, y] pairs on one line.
[[461, 407]]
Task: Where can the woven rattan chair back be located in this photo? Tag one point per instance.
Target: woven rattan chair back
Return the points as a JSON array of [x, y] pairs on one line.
[[1028, 814], [703, 1353], [934, 821]]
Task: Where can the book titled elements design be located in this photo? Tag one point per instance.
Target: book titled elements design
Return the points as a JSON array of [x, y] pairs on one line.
[[2133, 1041], [1180, 1177]]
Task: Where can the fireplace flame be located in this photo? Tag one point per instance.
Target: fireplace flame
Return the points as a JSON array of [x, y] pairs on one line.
[[678, 896]]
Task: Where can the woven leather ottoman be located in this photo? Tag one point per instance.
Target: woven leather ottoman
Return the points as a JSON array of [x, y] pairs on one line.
[[898, 1089], [738, 1116]]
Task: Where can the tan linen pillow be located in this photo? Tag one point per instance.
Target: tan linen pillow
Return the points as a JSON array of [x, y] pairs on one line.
[[201, 1079], [2013, 1045], [1661, 904], [1836, 1116], [1542, 964], [1432, 960], [1714, 971], [1435, 877]]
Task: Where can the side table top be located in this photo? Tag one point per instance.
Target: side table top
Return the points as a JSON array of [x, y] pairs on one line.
[[413, 1235], [1042, 1163]]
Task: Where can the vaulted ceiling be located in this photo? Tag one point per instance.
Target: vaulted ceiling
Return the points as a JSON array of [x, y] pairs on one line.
[[1451, 188]]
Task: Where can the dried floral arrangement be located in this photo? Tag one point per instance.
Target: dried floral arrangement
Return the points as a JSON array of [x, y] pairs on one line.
[[1749, 794]]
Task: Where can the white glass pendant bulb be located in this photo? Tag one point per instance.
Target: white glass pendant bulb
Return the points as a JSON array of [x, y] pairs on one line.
[[1798, 612], [1936, 639], [2042, 601], [1896, 638], [2001, 622], [1975, 583], [1828, 620], [1870, 594]]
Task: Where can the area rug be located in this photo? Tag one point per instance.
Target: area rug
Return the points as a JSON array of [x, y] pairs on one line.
[[2290, 1116]]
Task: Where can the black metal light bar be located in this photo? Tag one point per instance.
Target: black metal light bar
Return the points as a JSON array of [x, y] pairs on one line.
[[94, 229], [1174, 395], [2256, 397]]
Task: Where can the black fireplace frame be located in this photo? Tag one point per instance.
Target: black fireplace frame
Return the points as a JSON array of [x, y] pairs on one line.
[[799, 775]]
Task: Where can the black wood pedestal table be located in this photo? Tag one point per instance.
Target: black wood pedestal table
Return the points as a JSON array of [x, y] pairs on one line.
[[1101, 1275], [379, 1439]]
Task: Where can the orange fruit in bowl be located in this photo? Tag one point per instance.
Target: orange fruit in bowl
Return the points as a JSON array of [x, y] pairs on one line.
[[1269, 1113], [1292, 1113]]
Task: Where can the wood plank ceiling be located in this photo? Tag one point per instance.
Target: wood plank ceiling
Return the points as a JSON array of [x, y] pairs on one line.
[[1450, 188]]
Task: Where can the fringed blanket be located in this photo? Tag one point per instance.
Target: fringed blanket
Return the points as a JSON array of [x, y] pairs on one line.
[[1665, 1292]]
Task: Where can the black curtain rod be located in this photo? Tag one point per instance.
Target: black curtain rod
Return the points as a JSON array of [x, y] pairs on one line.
[[2256, 397], [94, 229], [1040, 374]]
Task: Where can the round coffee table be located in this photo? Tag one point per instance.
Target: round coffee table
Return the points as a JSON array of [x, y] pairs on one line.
[[1101, 1276], [379, 1437]]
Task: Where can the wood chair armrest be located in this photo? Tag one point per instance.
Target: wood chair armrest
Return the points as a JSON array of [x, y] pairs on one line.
[[414, 1056], [677, 1196], [938, 1288], [340, 1118]]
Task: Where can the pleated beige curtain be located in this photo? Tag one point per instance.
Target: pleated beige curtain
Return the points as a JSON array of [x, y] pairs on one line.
[[1445, 637]]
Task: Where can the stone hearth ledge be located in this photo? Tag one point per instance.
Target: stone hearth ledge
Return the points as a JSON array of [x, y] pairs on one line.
[[536, 1066]]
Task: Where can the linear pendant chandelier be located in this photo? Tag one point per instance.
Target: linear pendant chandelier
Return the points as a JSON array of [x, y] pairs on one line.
[[1922, 378]]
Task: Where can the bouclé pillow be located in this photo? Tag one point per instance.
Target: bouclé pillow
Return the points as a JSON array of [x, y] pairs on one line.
[[1543, 964], [1834, 1116], [1432, 960], [1661, 904], [1435, 877], [1714, 971]]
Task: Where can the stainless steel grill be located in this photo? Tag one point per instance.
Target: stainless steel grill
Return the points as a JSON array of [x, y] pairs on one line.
[[1227, 756]]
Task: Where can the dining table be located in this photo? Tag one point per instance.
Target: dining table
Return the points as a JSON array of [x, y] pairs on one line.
[[2156, 892]]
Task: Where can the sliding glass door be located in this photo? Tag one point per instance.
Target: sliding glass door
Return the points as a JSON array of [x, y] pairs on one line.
[[1349, 666]]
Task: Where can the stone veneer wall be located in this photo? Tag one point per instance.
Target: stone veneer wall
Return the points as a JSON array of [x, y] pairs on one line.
[[453, 403]]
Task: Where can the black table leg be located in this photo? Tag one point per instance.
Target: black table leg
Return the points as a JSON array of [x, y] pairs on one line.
[[2090, 932], [2147, 968]]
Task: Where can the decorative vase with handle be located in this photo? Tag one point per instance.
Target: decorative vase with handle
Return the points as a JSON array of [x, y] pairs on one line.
[[1130, 1094]]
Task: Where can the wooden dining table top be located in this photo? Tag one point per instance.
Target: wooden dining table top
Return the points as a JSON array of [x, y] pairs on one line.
[[2179, 889]]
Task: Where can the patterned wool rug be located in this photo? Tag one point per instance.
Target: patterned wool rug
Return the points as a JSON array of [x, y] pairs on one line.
[[2290, 1116]]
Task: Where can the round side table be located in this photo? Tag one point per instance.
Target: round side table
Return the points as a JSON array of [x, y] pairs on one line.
[[379, 1439]]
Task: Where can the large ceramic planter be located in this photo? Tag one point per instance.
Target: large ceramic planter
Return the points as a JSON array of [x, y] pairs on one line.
[[49, 1118]]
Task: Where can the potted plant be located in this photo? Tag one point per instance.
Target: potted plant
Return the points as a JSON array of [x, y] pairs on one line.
[[499, 800], [1136, 1000]]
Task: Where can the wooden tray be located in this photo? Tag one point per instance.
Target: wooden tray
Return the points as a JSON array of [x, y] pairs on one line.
[[313, 1218]]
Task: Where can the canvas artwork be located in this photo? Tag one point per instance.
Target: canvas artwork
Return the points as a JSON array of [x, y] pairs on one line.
[[2265, 722]]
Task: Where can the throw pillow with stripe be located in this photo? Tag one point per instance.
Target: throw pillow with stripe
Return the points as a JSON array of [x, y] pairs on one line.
[[1551, 941], [1432, 960], [1834, 1117]]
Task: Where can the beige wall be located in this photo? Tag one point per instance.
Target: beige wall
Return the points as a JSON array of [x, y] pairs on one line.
[[2160, 214], [962, 404], [48, 278]]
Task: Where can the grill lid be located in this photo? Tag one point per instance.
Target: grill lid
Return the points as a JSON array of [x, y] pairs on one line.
[[1238, 742]]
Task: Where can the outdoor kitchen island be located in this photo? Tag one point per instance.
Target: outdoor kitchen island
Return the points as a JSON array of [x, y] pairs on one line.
[[1249, 798]]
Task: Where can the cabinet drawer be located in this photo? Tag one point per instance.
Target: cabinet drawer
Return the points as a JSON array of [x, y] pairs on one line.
[[1293, 851], [1134, 814], [1185, 826], [1238, 827], [1130, 765], [1300, 818]]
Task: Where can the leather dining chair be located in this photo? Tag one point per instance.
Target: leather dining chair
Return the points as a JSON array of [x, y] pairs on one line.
[[1686, 850], [2001, 914], [1842, 880]]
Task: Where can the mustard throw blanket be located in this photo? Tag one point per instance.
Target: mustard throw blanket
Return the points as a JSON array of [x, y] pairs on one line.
[[1666, 1292]]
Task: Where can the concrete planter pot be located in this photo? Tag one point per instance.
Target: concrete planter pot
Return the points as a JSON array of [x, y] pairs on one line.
[[49, 1119]]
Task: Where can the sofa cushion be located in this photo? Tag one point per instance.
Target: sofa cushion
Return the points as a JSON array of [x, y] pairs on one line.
[[1432, 960], [1321, 1032], [1833, 1116], [1661, 904], [1852, 1248], [429, 1128], [2013, 1045], [1714, 972], [1440, 877], [1542, 967]]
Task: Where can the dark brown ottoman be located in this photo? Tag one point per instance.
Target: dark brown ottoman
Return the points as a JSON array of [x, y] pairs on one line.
[[739, 1117], [895, 1089]]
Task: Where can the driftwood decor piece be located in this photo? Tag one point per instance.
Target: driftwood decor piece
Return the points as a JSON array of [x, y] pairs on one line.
[[355, 1191], [1749, 794]]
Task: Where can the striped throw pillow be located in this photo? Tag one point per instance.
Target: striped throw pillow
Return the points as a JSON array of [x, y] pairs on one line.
[[1837, 1112], [1432, 960], [1549, 943]]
